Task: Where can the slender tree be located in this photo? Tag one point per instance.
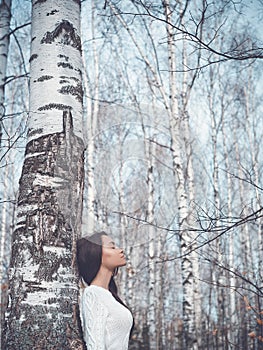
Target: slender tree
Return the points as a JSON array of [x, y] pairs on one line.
[[43, 286], [92, 105], [5, 18]]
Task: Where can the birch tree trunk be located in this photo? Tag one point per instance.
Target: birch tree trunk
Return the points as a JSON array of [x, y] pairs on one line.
[[3, 251], [231, 310], [92, 104], [187, 85], [251, 128], [43, 284], [217, 276], [189, 336], [153, 341], [5, 17], [122, 221]]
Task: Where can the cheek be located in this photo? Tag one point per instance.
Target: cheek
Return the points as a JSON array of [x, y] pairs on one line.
[[107, 257]]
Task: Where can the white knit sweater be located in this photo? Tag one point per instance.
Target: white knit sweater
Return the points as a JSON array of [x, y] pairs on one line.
[[106, 324]]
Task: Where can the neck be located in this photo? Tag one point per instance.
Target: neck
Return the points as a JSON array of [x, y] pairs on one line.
[[102, 278]]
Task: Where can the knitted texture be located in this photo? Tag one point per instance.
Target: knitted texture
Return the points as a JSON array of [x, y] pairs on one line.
[[106, 324]]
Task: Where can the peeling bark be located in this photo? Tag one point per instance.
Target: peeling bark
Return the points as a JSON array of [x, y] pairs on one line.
[[43, 286]]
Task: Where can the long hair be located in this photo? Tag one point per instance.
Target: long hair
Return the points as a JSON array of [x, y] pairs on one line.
[[89, 257]]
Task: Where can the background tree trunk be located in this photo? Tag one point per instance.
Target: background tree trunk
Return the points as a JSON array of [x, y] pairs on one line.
[[175, 120], [5, 17]]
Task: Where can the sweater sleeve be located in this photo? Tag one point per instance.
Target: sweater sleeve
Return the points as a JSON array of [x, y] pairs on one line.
[[93, 316]]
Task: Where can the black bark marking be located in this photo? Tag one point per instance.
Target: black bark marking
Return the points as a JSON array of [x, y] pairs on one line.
[[69, 78], [58, 106], [53, 12], [65, 65], [39, 2], [64, 56], [66, 34], [78, 70], [32, 132], [33, 57], [34, 286], [66, 80], [45, 77], [73, 90]]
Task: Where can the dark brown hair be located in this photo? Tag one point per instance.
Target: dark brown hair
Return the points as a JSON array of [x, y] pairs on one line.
[[89, 256]]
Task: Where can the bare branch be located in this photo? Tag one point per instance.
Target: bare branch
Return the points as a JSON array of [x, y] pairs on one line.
[[234, 54]]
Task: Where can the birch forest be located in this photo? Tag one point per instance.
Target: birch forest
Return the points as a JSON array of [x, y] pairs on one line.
[[142, 119]]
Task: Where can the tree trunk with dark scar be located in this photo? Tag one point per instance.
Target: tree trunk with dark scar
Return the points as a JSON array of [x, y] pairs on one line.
[[43, 312]]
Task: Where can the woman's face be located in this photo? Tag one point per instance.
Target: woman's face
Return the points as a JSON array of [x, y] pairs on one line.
[[112, 257]]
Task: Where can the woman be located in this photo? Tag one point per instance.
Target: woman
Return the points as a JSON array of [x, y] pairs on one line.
[[106, 321]]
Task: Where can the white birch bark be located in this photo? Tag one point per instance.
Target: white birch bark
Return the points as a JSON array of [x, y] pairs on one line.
[[217, 277], [153, 343], [251, 238], [175, 123], [249, 260], [248, 257], [3, 250], [92, 117], [231, 250], [214, 154], [123, 223], [55, 72], [42, 313], [5, 17], [189, 336], [160, 289], [251, 131], [8, 196], [187, 85]]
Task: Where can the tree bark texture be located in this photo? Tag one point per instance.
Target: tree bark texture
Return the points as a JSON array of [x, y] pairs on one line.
[[5, 17], [187, 265], [153, 339], [42, 312]]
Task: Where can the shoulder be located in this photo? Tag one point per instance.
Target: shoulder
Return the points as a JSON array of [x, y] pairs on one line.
[[92, 301], [96, 290], [95, 293]]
